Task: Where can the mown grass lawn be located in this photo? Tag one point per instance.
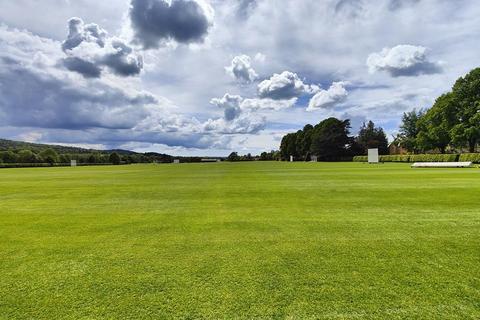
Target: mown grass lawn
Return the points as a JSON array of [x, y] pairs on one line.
[[240, 240]]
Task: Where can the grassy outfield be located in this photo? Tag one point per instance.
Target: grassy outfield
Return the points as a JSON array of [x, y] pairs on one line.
[[240, 240]]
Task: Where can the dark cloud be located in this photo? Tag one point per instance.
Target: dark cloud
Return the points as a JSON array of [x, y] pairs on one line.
[[156, 21], [89, 50], [245, 7], [43, 100], [350, 8], [123, 61], [86, 68], [33, 99], [231, 105], [399, 4]]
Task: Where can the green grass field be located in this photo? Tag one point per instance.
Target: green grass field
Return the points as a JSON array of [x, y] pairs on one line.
[[240, 240]]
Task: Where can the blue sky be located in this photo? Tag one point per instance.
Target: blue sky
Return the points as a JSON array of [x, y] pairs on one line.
[[199, 77]]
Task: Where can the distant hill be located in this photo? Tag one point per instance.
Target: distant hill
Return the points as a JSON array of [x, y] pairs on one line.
[[19, 153], [38, 147]]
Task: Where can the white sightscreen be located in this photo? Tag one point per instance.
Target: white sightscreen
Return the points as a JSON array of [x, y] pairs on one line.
[[372, 155]]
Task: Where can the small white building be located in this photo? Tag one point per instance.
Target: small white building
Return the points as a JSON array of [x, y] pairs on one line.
[[313, 159], [176, 161]]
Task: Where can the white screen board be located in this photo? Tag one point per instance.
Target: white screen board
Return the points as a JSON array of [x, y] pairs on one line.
[[372, 155]]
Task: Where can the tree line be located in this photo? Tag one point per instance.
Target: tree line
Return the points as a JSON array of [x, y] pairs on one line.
[[330, 140], [52, 157], [452, 124]]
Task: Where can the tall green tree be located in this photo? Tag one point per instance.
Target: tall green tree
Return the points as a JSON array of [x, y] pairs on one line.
[[466, 98], [233, 157], [306, 142], [288, 146], [114, 158], [370, 136], [49, 155], [407, 138], [435, 126], [8, 156], [26, 156], [330, 139]]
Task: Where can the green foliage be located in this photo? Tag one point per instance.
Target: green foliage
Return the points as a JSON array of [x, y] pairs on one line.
[[49, 156], [114, 158], [27, 156], [360, 158], [435, 125], [233, 157], [434, 158], [8, 156], [288, 146], [330, 139], [395, 158], [473, 157], [370, 136], [270, 156], [409, 130], [466, 99], [415, 158]]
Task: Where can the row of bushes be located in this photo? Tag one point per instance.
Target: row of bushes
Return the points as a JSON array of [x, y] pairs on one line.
[[44, 164], [473, 157]]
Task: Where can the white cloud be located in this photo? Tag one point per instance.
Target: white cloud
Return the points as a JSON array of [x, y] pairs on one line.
[[61, 106], [241, 69], [260, 57], [403, 60], [328, 98], [234, 105], [286, 85], [268, 104]]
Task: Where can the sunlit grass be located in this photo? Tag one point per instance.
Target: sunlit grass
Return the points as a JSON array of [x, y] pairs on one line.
[[240, 240]]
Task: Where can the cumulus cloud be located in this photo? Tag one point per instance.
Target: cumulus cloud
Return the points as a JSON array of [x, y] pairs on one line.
[[268, 104], [245, 124], [328, 98], [403, 60], [286, 85], [234, 105], [157, 21], [89, 50], [241, 69], [38, 95], [231, 104]]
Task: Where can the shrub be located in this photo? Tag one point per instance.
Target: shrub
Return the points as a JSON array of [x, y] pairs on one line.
[[434, 157], [473, 157], [114, 158], [395, 158], [360, 159]]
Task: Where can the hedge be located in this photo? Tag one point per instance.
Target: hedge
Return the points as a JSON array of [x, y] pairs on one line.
[[43, 165], [360, 159], [474, 157]]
